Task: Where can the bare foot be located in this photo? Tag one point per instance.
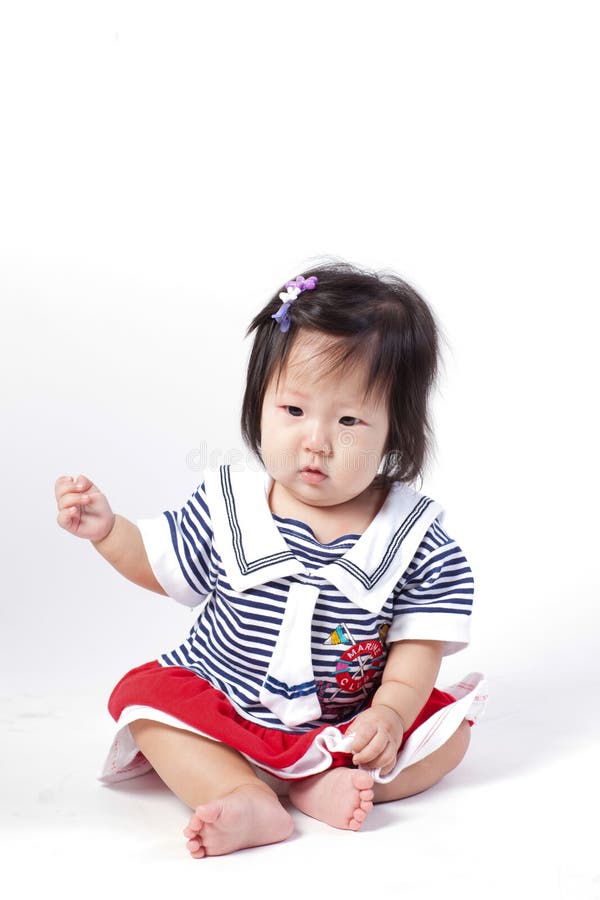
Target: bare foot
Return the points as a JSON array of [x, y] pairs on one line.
[[340, 797], [249, 816]]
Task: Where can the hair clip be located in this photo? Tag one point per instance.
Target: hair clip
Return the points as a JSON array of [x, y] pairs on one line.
[[293, 290]]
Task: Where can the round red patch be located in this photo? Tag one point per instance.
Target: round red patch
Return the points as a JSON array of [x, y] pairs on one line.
[[358, 665]]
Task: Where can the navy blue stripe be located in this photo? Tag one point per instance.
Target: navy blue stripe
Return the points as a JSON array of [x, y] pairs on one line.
[[173, 531], [190, 526], [211, 630], [188, 545], [278, 687], [441, 593], [443, 555], [240, 657], [311, 535], [292, 687], [443, 597], [435, 609], [249, 682], [255, 658]]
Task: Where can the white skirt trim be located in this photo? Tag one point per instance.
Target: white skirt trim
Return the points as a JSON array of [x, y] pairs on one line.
[[125, 760]]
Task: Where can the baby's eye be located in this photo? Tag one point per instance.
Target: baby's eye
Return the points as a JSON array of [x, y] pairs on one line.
[[353, 420], [294, 410]]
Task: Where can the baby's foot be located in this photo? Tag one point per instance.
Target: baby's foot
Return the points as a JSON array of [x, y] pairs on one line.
[[249, 816], [340, 797]]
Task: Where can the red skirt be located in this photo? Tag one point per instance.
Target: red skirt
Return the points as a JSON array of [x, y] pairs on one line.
[[193, 701]]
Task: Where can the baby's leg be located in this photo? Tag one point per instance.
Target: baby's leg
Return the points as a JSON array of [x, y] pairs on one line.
[[233, 807], [343, 797], [429, 770]]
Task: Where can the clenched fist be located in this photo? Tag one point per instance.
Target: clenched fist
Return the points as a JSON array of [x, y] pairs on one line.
[[378, 733], [82, 508]]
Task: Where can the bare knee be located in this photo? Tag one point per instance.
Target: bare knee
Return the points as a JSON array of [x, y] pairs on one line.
[[428, 771], [457, 745], [141, 727], [148, 733], [449, 755]]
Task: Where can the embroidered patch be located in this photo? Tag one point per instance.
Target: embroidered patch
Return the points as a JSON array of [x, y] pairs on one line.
[[359, 665]]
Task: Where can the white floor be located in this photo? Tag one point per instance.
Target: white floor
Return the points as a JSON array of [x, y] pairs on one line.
[[516, 819]]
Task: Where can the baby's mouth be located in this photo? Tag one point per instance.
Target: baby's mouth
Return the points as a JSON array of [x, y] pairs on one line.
[[312, 475]]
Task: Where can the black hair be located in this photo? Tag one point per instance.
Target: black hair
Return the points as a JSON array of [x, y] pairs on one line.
[[374, 319]]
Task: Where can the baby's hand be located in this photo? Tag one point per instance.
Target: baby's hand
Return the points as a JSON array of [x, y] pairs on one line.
[[83, 509], [379, 732]]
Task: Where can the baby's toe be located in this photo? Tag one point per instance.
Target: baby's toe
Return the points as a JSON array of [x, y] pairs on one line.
[[196, 849], [362, 780], [195, 822]]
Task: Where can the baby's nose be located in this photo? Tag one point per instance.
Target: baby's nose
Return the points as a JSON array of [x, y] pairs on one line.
[[317, 440]]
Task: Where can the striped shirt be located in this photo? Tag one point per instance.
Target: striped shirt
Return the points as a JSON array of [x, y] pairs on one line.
[[232, 640]]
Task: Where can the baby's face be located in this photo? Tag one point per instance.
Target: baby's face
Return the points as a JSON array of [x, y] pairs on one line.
[[322, 422]]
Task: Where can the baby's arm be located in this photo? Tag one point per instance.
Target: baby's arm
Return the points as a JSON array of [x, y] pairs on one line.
[[85, 512], [408, 679]]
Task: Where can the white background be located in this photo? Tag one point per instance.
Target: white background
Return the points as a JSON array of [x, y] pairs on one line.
[[164, 169]]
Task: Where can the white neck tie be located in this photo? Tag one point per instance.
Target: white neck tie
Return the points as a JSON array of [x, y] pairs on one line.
[[289, 690]]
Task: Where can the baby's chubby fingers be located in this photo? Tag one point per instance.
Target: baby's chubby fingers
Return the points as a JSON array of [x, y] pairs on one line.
[[372, 749], [362, 734], [69, 490], [74, 499], [67, 483], [67, 496], [69, 518], [62, 485], [385, 760], [82, 483]]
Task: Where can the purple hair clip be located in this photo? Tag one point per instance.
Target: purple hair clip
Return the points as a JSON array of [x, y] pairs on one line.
[[293, 290]]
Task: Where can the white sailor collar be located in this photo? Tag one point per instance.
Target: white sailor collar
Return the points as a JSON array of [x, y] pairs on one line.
[[254, 551]]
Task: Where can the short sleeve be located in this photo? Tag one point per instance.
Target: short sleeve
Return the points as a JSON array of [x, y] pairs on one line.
[[179, 548], [434, 598]]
